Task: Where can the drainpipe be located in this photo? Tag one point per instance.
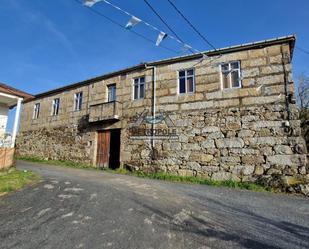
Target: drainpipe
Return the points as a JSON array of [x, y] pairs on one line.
[[154, 86]]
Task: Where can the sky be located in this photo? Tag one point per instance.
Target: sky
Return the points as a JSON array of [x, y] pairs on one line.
[[45, 44]]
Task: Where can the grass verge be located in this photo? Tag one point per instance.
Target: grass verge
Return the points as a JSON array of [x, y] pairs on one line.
[[12, 179], [157, 176], [195, 180], [56, 162]]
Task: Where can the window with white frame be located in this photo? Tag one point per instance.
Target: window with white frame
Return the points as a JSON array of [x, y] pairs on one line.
[[111, 93], [78, 99], [139, 88], [230, 75], [55, 107], [186, 81], [36, 111]]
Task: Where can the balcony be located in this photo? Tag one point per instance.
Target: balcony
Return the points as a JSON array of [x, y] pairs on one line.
[[103, 112]]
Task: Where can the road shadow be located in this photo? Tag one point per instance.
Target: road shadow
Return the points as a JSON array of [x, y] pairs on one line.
[[229, 224]]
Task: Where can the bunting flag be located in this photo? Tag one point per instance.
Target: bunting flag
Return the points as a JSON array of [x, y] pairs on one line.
[[160, 38], [259, 88], [90, 3], [185, 48], [135, 20], [132, 22], [279, 98], [205, 56]]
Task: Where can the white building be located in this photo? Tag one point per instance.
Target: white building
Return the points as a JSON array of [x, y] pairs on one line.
[[9, 98]]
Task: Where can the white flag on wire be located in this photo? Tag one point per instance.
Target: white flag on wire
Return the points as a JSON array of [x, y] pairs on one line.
[[160, 38], [185, 48], [90, 3], [132, 22], [260, 87], [205, 56]]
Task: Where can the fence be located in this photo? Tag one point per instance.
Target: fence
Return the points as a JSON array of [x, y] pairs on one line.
[[6, 157], [6, 152]]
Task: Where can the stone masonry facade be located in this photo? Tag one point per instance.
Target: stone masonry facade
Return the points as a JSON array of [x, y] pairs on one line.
[[244, 133]]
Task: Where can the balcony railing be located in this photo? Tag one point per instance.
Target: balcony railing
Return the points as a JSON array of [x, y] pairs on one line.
[[108, 111]]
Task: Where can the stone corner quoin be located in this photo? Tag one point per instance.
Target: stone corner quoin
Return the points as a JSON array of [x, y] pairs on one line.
[[238, 133]]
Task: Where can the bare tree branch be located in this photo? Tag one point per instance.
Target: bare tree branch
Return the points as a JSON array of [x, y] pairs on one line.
[[303, 92], [303, 103]]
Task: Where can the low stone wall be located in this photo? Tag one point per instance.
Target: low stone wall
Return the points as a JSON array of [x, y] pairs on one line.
[[59, 143], [249, 143], [6, 157]]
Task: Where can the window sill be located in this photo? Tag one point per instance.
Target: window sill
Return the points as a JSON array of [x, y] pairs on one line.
[[186, 94], [138, 99], [230, 89]]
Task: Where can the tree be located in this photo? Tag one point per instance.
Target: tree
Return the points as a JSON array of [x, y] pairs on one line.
[[303, 103], [303, 92]]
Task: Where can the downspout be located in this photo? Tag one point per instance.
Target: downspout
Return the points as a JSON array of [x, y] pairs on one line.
[[154, 86], [88, 107]]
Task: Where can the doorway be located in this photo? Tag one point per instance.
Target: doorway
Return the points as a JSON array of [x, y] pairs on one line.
[[108, 149]]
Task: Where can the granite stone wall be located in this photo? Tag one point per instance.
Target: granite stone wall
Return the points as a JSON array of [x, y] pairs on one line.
[[61, 143], [239, 143]]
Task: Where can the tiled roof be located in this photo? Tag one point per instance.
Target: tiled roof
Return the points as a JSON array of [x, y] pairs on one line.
[[4, 88]]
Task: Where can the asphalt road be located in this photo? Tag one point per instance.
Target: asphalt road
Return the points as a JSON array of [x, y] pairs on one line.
[[73, 208]]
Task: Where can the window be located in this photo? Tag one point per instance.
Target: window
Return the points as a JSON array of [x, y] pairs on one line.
[[230, 75], [36, 111], [139, 88], [55, 107], [111, 93], [186, 81], [78, 98]]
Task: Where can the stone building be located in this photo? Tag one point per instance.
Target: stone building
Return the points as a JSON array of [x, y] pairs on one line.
[[227, 114]]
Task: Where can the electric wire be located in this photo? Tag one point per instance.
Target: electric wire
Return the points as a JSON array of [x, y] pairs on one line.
[[121, 26], [152, 27], [302, 50], [191, 25], [166, 24]]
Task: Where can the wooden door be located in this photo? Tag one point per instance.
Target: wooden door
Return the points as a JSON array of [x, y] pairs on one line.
[[103, 149]]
